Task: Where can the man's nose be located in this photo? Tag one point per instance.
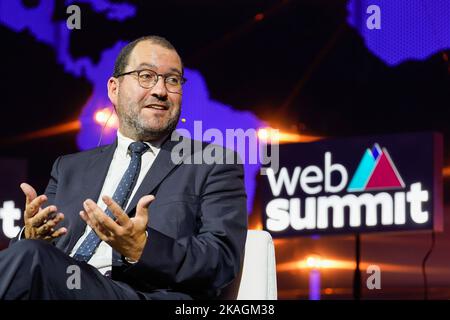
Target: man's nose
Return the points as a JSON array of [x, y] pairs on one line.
[[159, 90]]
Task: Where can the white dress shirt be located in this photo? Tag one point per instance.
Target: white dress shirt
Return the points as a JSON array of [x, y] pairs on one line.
[[102, 258]]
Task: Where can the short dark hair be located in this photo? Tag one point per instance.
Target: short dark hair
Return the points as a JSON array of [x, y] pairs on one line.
[[124, 54]]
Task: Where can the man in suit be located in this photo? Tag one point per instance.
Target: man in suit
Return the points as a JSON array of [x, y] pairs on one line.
[[134, 219]]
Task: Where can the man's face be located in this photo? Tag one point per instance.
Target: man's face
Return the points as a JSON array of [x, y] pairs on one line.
[[147, 114]]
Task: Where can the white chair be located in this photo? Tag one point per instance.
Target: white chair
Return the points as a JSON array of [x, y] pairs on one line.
[[259, 275], [258, 278]]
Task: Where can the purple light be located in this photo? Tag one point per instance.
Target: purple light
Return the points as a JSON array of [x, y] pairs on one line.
[[410, 29], [114, 11], [314, 284]]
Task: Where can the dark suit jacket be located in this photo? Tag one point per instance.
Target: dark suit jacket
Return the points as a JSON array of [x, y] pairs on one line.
[[197, 222]]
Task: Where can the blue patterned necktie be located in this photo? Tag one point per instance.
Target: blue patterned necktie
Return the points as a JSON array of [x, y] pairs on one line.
[[121, 195]]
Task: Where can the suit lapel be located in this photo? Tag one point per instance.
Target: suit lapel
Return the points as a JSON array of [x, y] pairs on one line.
[[94, 176], [160, 168]]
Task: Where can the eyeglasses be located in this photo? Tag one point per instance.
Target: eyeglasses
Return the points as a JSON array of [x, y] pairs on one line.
[[148, 79]]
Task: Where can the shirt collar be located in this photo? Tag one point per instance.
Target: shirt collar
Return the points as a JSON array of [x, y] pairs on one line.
[[124, 142]]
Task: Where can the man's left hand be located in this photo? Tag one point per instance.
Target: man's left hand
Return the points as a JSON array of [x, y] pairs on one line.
[[125, 234]]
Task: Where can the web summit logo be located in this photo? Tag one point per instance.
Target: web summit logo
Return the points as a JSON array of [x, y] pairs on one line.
[[376, 171], [318, 198]]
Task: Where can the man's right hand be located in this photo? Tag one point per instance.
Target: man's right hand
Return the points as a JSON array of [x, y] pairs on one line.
[[40, 223]]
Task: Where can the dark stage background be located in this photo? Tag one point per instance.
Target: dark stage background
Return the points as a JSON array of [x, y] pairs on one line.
[[302, 66]]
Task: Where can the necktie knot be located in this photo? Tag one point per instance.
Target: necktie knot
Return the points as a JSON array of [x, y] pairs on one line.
[[138, 147]]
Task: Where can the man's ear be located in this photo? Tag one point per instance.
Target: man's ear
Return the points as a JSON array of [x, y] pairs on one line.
[[113, 90]]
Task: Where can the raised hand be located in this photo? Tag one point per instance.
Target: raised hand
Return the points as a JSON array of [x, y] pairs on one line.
[[126, 235], [40, 223]]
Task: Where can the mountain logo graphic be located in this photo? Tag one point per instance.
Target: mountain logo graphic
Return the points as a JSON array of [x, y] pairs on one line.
[[375, 171]]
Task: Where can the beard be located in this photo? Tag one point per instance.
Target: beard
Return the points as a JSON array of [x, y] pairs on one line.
[[141, 129]]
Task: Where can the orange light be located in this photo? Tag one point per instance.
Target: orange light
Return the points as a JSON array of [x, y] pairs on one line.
[[45, 133], [258, 226], [263, 134], [270, 135], [106, 117], [446, 172], [328, 291], [314, 261], [259, 16]]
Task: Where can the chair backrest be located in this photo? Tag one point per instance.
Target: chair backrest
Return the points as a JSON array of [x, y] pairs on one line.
[[259, 278]]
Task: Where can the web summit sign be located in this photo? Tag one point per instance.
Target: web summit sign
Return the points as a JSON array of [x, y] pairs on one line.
[[366, 184]]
